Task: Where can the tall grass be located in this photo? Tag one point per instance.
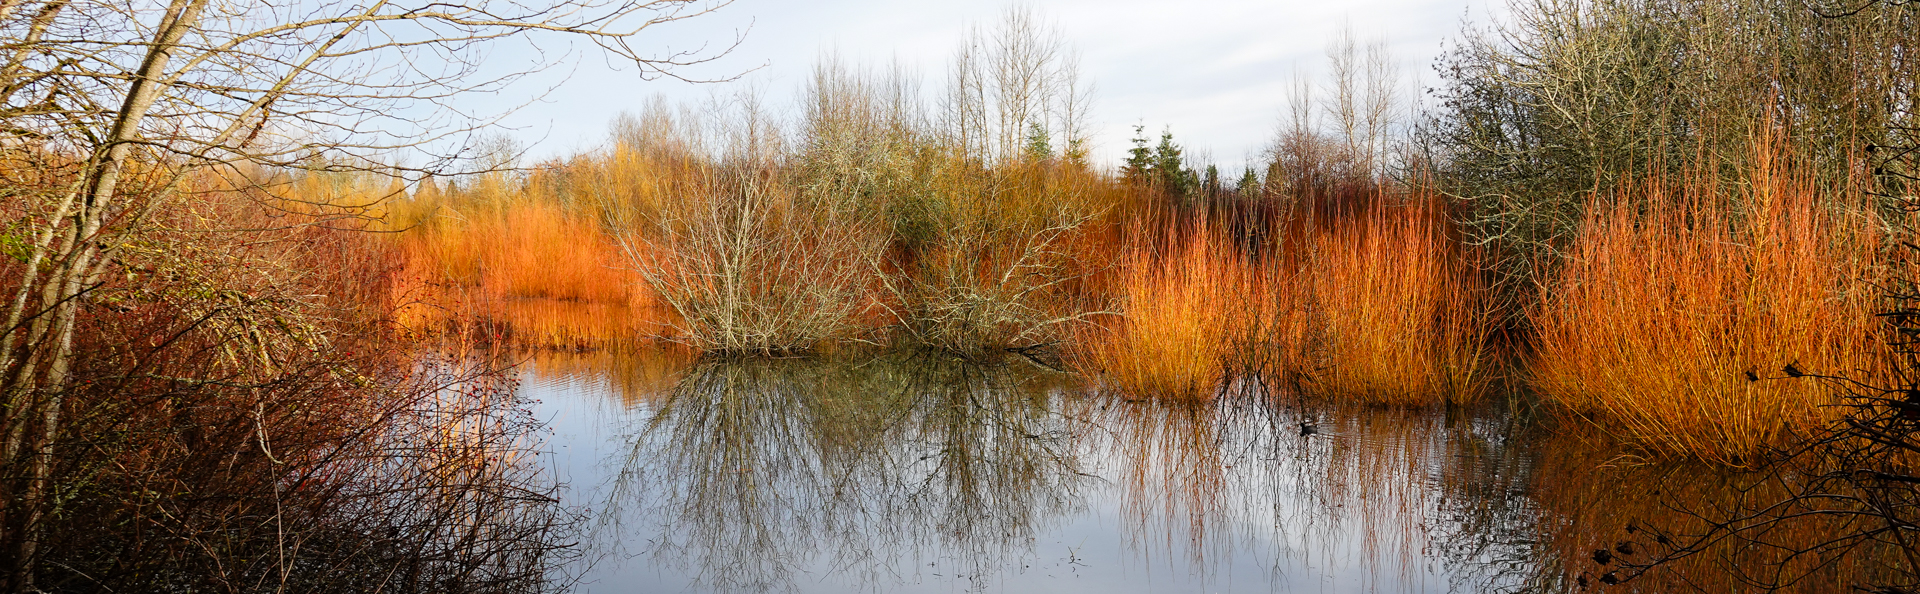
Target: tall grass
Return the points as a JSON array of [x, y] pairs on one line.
[[1681, 306]]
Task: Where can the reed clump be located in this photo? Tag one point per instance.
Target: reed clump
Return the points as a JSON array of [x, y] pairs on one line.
[[1684, 307]]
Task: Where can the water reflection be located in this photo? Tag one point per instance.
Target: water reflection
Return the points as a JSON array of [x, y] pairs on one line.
[[1390, 499], [912, 472], [758, 469], [1637, 511]]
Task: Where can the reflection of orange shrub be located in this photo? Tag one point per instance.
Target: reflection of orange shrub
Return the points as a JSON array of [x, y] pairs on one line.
[[1679, 307], [426, 307], [635, 377], [1640, 512]]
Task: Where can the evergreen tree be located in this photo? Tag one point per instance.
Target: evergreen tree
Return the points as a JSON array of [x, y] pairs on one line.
[[1039, 145], [1140, 159], [1076, 152], [1249, 186], [1169, 169]]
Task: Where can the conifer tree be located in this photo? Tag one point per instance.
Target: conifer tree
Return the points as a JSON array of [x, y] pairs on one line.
[[1249, 186], [1169, 169], [1140, 158], [1039, 145]]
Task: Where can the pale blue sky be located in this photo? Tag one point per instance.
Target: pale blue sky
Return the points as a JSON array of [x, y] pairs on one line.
[[1217, 71]]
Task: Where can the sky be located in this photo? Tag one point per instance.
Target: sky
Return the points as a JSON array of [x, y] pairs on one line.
[[1214, 72]]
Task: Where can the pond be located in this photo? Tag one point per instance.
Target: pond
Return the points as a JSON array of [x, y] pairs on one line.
[[912, 472]]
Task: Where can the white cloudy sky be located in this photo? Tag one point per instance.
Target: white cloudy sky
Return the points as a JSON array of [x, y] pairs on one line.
[[1216, 71]]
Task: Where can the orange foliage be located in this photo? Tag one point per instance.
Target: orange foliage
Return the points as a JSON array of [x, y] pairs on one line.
[[1381, 308], [1393, 309], [1679, 309], [529, 249], [1188, 310]]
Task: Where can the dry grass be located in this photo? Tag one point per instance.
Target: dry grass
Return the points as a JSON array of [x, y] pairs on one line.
[[1679, 309]]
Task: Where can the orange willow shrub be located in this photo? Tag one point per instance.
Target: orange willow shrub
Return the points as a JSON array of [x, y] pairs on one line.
[[1393, 312], [525, 248], [1678, 310], [1187, 311], [1381, 308]]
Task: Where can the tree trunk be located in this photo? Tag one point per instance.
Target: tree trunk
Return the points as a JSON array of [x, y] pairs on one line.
[[43, 355]]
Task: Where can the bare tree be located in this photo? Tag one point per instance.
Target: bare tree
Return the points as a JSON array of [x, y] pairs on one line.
[[130, 98], [1014, 85], [1343, 132], [1362, 102]]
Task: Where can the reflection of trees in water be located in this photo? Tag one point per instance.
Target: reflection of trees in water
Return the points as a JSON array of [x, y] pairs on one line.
[[762, 468], [1486, 524], [1533, 512], [883, 471], [1383, 492]]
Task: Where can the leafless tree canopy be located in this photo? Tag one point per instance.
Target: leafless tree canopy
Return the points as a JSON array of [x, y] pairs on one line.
[[278, 82]]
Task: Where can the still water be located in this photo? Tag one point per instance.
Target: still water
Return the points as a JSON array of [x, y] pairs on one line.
[[916, 473]]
